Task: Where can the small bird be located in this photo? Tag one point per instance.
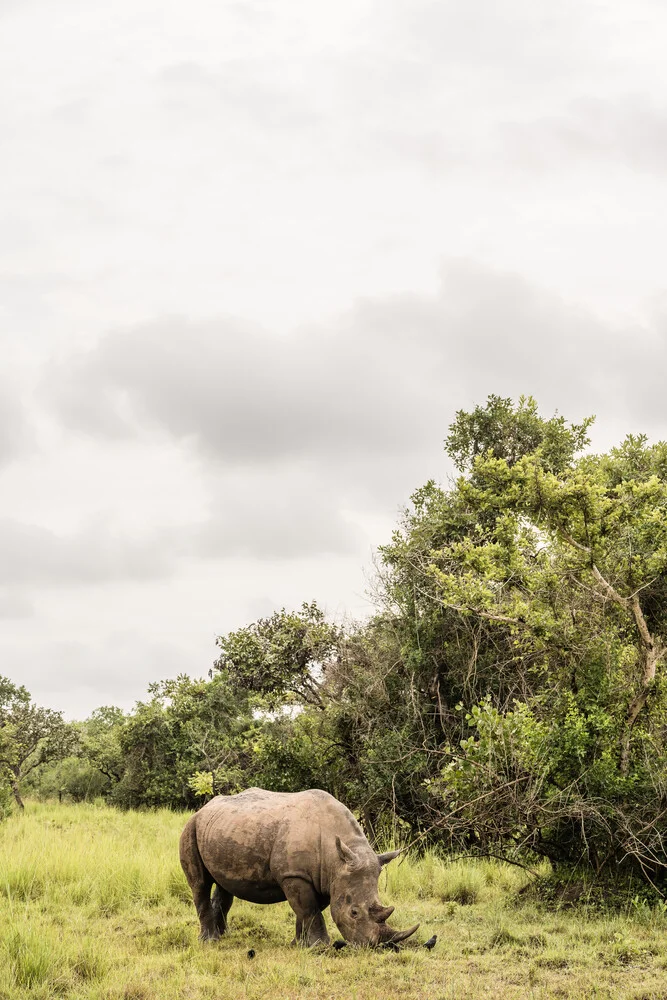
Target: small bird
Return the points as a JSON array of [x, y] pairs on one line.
[[391, 945], [339, 944], [431, 942], [251, 953]]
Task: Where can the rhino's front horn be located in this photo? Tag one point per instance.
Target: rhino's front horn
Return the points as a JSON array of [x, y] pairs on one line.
[[402, 935], [388, 856], [381, 913]]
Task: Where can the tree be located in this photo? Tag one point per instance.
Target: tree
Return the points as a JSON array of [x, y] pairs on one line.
[[281, 655], [534, 593], [186, 730], [101, 742], [509, 432], [601, 525], [29, 736]]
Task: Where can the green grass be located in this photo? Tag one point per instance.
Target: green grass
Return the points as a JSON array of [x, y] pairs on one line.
[[93, 904]]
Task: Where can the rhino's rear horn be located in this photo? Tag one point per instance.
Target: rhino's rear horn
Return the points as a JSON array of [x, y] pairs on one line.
[[380, 913], [347, 856]]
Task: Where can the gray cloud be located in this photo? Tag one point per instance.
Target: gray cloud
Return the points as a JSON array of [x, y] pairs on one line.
[[74, 675], [271, 516], [378, 385], [34, 555], [284, 514], [299, 436], [15, 435], [15, 605]]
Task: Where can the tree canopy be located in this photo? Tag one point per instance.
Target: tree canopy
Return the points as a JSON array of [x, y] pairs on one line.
[[29, 736]]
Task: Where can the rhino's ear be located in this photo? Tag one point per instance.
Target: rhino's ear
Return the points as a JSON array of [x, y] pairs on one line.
[[347, 856], [388, 856]]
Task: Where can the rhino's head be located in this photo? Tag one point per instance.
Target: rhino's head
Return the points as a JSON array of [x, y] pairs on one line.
[[355, 906]]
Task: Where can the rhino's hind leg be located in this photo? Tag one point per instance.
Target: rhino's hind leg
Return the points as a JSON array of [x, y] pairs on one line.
[[310, 926], [220, 904], [200, 882]]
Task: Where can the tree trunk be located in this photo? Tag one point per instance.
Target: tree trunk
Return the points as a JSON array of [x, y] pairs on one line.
[[17, 794], [368, 822], [650, 656], [651, 651]]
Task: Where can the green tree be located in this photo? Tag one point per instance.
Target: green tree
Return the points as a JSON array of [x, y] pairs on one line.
[[531, 597], [601, 527], [282, 655], [510, 432], [187, 728], [100, 742], [29, 736]]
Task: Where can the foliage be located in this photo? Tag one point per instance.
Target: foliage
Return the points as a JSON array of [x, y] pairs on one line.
[[72, 778], [201, 783], [280, 656], [29, 736], [533, 593], [510, 432], [187, 726]]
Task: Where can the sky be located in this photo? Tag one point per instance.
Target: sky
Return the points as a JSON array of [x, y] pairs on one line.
[[253, 258]]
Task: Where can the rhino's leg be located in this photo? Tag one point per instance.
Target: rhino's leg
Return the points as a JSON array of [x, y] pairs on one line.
[[200, 882], [221, 903], [310, 926]]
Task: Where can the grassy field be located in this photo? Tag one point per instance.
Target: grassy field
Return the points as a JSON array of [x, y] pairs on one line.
[[93, 904]]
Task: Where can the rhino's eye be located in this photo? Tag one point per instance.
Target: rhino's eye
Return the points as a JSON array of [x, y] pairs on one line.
[[354, 912]]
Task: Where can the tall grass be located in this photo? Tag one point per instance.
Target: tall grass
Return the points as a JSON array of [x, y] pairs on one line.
[[106, 861], [93, 857], [464, 882], [93, 905]]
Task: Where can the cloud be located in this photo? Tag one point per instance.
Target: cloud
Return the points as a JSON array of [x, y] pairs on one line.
[[15, 433], [14, 605], [243, 396], [72, 675], [242, 90], [255, 515], [631, 131], [34, 555], [283, 514], [375, 387], [301, 439]]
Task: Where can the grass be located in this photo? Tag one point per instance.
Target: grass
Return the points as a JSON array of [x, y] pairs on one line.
[[93, 904]]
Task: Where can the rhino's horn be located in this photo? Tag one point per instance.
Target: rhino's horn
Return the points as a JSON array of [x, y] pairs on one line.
[[388, 856], [347, 856], [380, 913], [397, 936]]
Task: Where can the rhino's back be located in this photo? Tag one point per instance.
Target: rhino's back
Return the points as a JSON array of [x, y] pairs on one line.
[[249, 842]]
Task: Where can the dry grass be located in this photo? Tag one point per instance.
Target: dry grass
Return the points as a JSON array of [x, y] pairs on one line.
[[93, 904]]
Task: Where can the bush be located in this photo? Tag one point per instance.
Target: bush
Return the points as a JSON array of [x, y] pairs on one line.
[[70, 779]]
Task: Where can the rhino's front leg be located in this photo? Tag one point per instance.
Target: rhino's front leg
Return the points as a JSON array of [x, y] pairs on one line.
[[310, 926]]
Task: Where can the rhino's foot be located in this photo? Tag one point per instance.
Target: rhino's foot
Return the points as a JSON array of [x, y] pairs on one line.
[[304, 942], [210, 934], [314, 936]]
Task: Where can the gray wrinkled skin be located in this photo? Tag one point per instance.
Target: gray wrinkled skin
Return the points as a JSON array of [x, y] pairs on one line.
[[303, 847]]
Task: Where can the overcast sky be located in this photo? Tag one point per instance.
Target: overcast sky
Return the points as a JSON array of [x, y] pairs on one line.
[[253, 257]]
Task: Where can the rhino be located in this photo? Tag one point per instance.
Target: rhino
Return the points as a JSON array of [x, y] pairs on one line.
[[303, 847]]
